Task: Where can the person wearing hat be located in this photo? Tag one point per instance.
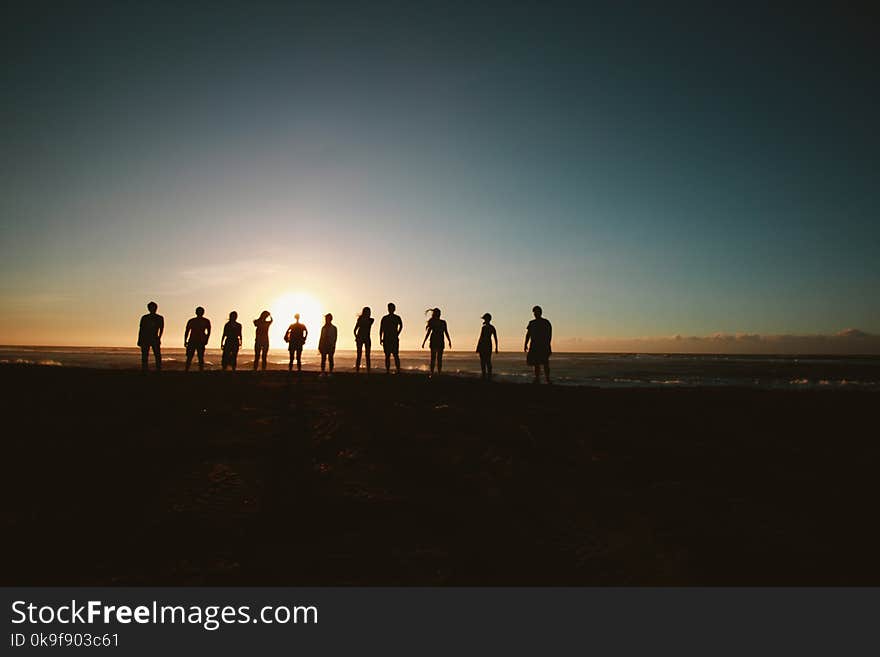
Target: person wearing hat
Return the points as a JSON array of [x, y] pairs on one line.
[[484, 346], [327, 342]]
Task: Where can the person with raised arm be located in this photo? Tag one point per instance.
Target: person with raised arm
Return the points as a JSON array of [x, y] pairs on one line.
[[261, 343]]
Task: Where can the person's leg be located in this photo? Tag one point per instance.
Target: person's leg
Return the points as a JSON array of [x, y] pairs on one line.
[[224, 360], [387, 362], [323, 362], [433, 360], [145, 357], [157, 354], [330, 358], [299, 359], [482, 365], [256, 357], [489, 365], [265, 351], [367, 354], [190, 352], [537, 373], [200, 350], [547, 370], [439, 361], [234, 359], [397, 361], [357, 363], [290, 362]]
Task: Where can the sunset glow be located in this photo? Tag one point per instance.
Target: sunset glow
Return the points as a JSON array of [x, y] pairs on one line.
[[285, 307]]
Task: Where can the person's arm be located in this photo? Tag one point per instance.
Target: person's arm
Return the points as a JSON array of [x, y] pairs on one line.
[[381, 332], [186, 332], [161, 326], [208, 336], [399, 326], [495, 335], [305, 332], [240, 341], [528, 337], [223, 339], [427, 333], [446, 332]]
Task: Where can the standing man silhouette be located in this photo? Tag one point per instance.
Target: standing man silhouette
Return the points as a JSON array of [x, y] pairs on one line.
[[389, 337], [295, 338], [327, 342], [484, 346], [538, 336], [150, 336], [230, 343], [195, 337]]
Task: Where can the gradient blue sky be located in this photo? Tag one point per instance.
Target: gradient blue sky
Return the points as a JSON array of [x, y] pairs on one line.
[[638, 170]]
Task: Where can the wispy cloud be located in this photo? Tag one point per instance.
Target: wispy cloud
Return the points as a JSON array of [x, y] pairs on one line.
[[212, 275], [848, 341]]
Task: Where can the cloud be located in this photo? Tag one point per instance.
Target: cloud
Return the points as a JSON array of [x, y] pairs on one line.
[[846, 342], [201, 277]]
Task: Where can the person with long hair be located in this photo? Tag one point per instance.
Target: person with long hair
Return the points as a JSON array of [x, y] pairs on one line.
[[230, 343], [295, 337], [362, 337], [261, 343], [436, 330], [484, 346]]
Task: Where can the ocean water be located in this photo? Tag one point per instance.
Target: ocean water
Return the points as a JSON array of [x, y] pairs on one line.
[[603, 370]]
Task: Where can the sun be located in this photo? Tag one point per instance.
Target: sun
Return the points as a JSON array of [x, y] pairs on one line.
[[285, 307]]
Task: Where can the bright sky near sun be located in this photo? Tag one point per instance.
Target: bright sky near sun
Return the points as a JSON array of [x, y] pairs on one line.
[[638, 172]]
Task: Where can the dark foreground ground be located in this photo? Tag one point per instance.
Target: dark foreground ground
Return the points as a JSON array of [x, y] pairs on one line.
[[113, 478]]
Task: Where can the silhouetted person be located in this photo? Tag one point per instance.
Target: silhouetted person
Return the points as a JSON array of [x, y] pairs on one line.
[[261, 343], [295, 338], [538, 335], [436, 330], [327, 342], [150, 336], [362, 337], [389, 337], [195, 337], [484, 346], [230, 343]]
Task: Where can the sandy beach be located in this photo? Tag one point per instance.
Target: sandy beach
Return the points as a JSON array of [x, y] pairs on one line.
[[112, 477]]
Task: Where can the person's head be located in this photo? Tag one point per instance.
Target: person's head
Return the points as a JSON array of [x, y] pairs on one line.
[[328, 318], [152, 306], [296, 316], [435, 314], [487, 317], [391, 307], [537, 311], [264, 315], [200, 311], [366, 311], [233, 316]]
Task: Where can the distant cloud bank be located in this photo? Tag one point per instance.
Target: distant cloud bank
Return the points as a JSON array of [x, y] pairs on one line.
[[847, 342]]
